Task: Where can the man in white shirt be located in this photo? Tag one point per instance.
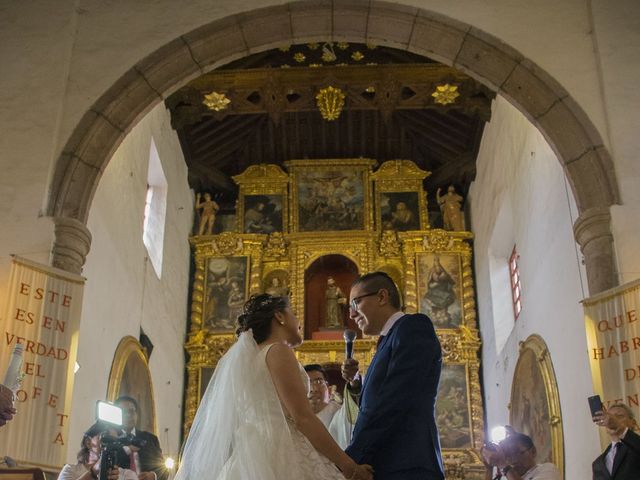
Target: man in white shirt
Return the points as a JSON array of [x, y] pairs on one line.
[[515, 457], [337, 418]]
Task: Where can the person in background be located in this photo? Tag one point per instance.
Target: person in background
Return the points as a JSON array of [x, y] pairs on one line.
[[515, 457], [88, 466], [147, 460], [621, 459], [338, 418]]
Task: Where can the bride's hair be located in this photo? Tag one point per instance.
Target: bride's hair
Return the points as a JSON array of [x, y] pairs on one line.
[[258, 313]]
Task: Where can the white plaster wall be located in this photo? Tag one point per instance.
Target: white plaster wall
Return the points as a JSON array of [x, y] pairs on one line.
[[617, 31], [516, 166], [123, 293]]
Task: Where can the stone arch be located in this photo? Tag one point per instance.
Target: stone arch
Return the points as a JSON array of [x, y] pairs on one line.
[[536, 94]]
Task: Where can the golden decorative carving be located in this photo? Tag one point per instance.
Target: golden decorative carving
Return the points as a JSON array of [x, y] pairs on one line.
[[226, 244], [216, 101], [357, 56], [445, 94], [330, 101], [388, 80], [389, 244], [289, 253], [276, 246], [299, 57]]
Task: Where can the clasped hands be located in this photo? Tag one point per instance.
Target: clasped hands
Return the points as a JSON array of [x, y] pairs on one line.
[[361, 472]]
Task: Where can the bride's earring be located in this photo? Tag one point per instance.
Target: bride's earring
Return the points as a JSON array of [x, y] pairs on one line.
[[281, 323]]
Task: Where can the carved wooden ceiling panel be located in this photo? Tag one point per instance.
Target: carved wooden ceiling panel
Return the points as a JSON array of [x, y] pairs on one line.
[[253, 112]]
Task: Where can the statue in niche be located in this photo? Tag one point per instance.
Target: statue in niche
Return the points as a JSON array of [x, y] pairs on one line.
[[277, 288], [235, 302], [450, 205], [335, 300], [209, 209]]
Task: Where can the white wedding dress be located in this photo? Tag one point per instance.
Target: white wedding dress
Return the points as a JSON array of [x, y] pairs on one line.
[[241, 431]]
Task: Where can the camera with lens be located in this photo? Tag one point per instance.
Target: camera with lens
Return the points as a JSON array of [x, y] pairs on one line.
[[112, 449]]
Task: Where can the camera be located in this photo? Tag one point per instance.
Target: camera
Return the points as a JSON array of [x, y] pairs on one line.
[[110, 416], [112, 448]]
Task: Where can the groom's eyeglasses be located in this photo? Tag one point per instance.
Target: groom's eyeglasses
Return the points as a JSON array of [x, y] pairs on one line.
[[355, 301]]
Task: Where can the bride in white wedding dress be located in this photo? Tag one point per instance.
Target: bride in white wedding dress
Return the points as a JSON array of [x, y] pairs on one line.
[[254, 421]]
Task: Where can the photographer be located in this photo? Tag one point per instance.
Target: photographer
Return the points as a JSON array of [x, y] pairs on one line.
[[515, 457], [88, 466], [144, 455]]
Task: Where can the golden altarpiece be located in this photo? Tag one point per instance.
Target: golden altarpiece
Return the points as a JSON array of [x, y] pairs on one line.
[[325, 221]]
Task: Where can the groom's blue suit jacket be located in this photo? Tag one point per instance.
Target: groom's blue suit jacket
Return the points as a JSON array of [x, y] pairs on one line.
[[396, 428]]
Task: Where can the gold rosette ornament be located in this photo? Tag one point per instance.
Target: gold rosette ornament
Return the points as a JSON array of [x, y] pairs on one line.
[[330, 101], [216, 101], [445, 94]]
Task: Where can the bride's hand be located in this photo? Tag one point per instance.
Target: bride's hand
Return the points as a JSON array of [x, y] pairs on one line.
[[362, 472]]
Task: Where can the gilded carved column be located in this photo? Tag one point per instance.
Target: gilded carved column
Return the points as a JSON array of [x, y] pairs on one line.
[[71, 244], [592, 230]]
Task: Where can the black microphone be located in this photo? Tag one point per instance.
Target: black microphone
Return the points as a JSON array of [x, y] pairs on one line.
[[349, 337]]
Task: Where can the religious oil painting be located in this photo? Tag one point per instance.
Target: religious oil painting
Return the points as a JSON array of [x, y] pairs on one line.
[[276, 283], [529, 404], [439, 288], [399, 211], [226, 292], [331, 200], [262, 214], [452, 408]]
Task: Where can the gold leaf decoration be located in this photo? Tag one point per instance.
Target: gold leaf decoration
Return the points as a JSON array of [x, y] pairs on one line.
[[330, 101], [357, 55], [299, 57], [445, 94], [342, 45], [313, 46], [216, 101]]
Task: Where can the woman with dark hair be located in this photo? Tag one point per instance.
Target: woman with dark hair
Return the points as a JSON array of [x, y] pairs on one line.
[[88, 466], [254, 421]]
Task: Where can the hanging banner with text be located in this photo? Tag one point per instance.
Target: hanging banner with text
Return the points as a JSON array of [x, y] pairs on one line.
[[43, 314], [613, 337]]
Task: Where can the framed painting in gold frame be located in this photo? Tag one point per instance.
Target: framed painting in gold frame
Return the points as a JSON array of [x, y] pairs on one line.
[[439, 288], [453, 411], [330, 195], [535, 402], [263, 214], [401, 203], [226, 290], [262, 203]]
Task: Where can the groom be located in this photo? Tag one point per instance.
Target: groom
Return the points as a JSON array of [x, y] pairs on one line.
[[396, 430]]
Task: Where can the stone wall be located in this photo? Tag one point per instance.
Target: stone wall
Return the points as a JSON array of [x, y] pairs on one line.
[[519, 177]]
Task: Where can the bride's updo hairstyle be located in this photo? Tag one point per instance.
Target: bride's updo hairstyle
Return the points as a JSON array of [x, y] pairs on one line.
[[258, 313]]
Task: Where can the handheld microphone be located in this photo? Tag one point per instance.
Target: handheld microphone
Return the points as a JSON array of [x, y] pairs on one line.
[[349, 337]]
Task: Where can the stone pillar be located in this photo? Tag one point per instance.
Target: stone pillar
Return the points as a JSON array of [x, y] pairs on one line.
[[71, 244], [592, 231]]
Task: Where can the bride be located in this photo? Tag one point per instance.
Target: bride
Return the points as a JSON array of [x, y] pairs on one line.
[[254, 421]]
